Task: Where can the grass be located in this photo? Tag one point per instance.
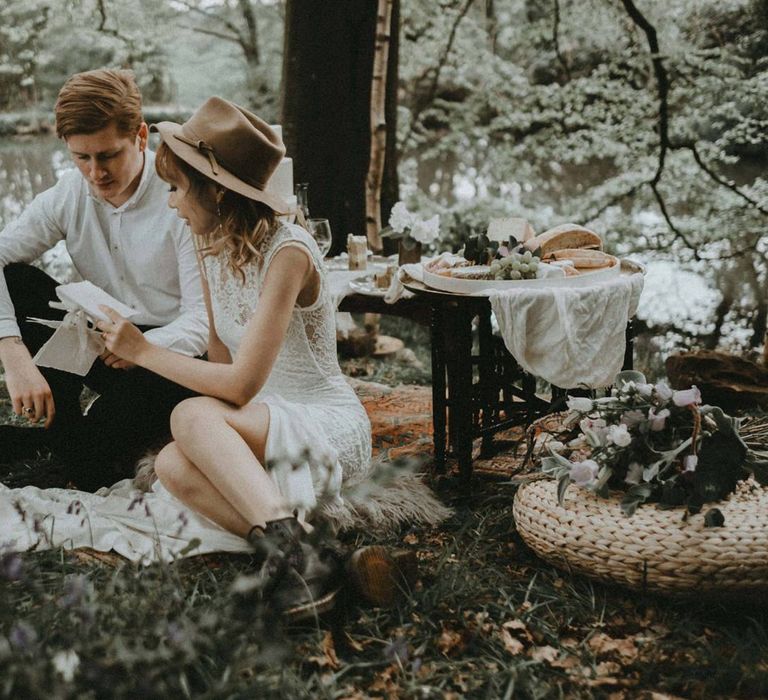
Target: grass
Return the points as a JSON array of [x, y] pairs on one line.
[[486, 620]]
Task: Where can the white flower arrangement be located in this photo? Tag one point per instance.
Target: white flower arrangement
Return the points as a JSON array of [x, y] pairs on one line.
[[654, 444], [403, 223]]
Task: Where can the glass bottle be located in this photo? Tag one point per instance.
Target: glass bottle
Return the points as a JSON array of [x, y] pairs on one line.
[[302, 199]]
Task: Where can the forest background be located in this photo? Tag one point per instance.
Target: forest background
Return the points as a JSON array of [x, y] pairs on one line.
[[644, 121]]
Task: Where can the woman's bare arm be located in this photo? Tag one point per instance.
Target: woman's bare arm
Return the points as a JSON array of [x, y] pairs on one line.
[[289, 272]]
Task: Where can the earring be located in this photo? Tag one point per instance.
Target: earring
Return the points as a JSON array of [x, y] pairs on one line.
[[219, 198]]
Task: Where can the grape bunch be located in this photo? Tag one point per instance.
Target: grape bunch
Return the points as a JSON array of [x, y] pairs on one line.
[[515, 266]]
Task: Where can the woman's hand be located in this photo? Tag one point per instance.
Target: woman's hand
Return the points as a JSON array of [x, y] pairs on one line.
[[124, 341]]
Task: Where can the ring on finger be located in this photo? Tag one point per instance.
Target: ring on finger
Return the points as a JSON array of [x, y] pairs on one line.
[[29, 411]]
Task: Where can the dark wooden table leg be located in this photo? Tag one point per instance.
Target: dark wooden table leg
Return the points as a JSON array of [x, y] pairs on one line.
[[460, 391], [488, 383], [439, 404], [629, 353]]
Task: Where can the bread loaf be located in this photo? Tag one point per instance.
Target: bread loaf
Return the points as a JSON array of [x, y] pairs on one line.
[[583, 258], [564, 236]]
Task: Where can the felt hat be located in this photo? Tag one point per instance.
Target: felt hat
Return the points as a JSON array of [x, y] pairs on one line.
[[231, 146]]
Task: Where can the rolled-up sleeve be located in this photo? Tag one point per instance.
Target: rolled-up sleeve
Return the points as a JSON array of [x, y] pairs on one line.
[[37, 229], [188, 333]]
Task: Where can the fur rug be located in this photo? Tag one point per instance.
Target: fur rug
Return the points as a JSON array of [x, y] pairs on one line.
[[389, 496]]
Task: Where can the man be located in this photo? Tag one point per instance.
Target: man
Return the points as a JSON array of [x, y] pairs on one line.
[[121, 235]]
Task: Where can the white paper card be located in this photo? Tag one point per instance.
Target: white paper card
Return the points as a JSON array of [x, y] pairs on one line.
[[88, 296], [501, 229]]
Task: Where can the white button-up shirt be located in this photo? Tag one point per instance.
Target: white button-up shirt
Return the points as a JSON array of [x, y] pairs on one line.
[[140, 252]]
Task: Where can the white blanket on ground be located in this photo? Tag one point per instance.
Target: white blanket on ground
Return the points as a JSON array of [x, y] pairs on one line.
[[569, 336], [142, 527]]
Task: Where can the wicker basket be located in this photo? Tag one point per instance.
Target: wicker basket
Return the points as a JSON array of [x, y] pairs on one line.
[[653, 550]]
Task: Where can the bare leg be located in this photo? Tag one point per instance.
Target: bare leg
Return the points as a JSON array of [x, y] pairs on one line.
[[185, 481], [227, 445]]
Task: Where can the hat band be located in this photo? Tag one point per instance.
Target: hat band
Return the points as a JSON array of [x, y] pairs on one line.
[[204, 148], [208, 150]]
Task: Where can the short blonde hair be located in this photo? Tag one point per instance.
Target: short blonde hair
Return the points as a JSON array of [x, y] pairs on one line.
[[91, 101], [244, 223]]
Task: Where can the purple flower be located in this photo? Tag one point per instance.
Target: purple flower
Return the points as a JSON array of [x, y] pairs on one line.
[[656, 421], [687, 397], [22, 636], [584, 473]]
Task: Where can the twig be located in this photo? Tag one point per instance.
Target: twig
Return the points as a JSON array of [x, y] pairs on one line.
[[721, 181]]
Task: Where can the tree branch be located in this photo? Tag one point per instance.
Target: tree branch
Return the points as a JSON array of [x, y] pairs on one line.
[[192, 7], [721, 181], [662, 83], [438, 68], [556, 40]]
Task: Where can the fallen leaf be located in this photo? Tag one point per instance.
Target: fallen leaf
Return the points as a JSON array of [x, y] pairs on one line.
[[451, 642], [545, 653], [605, 668], [512, 645], [411, 538], [328, 659], [566, 663], [602, 644]]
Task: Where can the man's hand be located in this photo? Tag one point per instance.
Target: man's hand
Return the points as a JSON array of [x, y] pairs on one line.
[[124, 341], [30, 394]]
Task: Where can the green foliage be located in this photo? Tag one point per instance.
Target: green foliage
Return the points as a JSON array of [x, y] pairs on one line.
[[556, 118]]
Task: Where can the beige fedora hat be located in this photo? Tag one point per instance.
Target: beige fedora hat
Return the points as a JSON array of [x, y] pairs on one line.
[[231, 146]]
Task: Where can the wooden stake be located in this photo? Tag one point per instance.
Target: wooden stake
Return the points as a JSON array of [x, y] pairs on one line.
[[378, 126]]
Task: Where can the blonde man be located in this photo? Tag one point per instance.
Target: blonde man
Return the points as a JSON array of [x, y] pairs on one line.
[[112, 214]]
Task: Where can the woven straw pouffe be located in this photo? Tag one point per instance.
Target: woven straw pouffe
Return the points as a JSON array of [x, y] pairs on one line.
[[654, 550]]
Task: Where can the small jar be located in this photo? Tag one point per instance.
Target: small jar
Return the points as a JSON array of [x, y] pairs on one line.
[[409, 251], [357, 249]]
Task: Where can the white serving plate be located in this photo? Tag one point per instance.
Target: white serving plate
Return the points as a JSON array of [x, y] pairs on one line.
[[367, 286], [462, 286]]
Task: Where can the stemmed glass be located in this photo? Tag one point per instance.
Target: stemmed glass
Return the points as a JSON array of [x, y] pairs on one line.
[[320, 230]]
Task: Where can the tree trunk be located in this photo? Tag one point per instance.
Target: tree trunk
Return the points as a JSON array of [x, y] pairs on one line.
[[378, 125], [327, 70]]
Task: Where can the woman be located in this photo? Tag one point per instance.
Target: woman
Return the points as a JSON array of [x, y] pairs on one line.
[[273, 393]]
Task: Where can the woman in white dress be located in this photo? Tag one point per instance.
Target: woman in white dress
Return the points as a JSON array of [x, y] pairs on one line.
[[277, 425]]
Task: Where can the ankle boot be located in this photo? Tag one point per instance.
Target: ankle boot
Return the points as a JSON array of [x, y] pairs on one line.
[[302, 576]]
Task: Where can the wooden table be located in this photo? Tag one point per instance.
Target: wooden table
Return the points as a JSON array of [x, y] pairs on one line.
[[478, 389]]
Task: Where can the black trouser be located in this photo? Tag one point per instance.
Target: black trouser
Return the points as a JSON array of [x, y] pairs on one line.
[[131, 414]]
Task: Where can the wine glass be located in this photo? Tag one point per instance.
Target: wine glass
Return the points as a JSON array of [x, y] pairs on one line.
[[320, 230]]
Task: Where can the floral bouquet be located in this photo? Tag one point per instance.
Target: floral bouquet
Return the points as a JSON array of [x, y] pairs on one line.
[[654, 444], [405, 224]]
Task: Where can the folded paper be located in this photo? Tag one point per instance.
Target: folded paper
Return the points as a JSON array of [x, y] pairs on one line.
[[74, 346]]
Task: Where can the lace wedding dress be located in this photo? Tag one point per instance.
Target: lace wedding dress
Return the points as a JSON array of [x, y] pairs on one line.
[[318, 433]]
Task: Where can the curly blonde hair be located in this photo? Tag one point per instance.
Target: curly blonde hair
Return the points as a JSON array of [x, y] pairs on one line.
[[244, 223]]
